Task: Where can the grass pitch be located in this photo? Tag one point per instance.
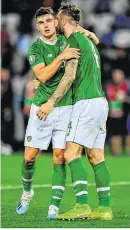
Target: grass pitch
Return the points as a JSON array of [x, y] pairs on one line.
[[36, 215]]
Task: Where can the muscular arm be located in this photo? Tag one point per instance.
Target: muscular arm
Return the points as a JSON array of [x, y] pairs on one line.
[[66, 81], [44, 73], [63, 87]]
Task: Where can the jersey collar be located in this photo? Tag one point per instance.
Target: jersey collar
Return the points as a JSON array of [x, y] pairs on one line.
[[49, 43]]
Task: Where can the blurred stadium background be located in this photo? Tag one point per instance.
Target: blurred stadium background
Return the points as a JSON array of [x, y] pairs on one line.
[[110, 21]]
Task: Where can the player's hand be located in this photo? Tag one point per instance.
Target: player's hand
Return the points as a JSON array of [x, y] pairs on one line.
[[45, 110], [69, 53], [80, 29], [88, 34], [93, 37], [36, 84]]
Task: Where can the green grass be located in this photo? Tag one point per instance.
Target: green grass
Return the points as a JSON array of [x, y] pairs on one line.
[[36, 216]]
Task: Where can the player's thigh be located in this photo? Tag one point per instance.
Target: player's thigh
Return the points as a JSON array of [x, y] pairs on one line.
[[62, 115], [88, 117], [95, 155], [30, 154], [72, 151], [38, 132], [58, 156]]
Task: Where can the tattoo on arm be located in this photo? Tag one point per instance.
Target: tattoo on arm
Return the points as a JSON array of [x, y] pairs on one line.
[[66, 81]]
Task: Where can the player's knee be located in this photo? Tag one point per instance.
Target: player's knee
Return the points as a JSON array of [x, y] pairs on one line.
[[69, 156], [28, 158], [30, 154], [72, 151], [58, 156], [96, 156]]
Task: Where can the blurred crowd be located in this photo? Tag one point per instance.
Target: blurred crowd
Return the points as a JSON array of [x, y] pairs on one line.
[[110, 21]]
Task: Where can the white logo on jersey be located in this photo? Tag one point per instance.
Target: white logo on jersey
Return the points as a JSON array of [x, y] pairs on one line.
[[63, 46], [49, 55]]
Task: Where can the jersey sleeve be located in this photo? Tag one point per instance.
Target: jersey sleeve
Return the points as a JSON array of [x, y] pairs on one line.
[[34, 56]]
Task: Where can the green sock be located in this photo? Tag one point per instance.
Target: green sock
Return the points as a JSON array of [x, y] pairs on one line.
[[102, 179], [58, 183], [79, 179], [27, 175]]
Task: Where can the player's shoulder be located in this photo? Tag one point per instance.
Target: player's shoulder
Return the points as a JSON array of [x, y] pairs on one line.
[[84, 42], [81, 37], [34, 46], [73, 41]]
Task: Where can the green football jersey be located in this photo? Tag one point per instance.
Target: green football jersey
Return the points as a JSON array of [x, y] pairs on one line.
[[87, 84], [41, 52]]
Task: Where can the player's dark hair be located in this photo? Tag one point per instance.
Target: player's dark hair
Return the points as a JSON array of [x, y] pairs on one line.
[[71, 10], [44, 10]]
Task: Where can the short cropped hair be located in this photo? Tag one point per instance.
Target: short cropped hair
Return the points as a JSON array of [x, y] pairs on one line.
[[44, 10], [71, 10]]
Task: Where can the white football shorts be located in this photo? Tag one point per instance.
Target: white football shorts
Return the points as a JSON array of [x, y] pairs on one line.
[[39, 133], [87, 125]]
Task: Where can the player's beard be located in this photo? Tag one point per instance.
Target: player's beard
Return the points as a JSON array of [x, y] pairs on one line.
[[60, 29]]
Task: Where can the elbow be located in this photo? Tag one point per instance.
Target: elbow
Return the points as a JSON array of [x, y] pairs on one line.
[[41, 79], [97, 41]]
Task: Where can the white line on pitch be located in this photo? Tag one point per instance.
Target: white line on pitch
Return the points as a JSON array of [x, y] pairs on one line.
[[6, 187]]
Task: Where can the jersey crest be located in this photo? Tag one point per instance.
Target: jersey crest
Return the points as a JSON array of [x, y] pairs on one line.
[[63, 46], [31, 59]]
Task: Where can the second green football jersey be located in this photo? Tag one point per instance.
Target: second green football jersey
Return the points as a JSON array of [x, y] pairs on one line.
[[87, 84], [41, 52]]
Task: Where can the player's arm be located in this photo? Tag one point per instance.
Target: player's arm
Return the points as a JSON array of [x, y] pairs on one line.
[[92, 36], [64, 85], [66, 81], [44, 73]]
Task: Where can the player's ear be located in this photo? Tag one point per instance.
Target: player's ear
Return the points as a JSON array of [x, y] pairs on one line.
[[37, 26], [63, 21]]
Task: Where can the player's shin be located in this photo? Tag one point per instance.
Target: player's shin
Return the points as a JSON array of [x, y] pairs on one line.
[[58, 184], [79, 179], [28, 193], [27, 175], [102, 179]]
